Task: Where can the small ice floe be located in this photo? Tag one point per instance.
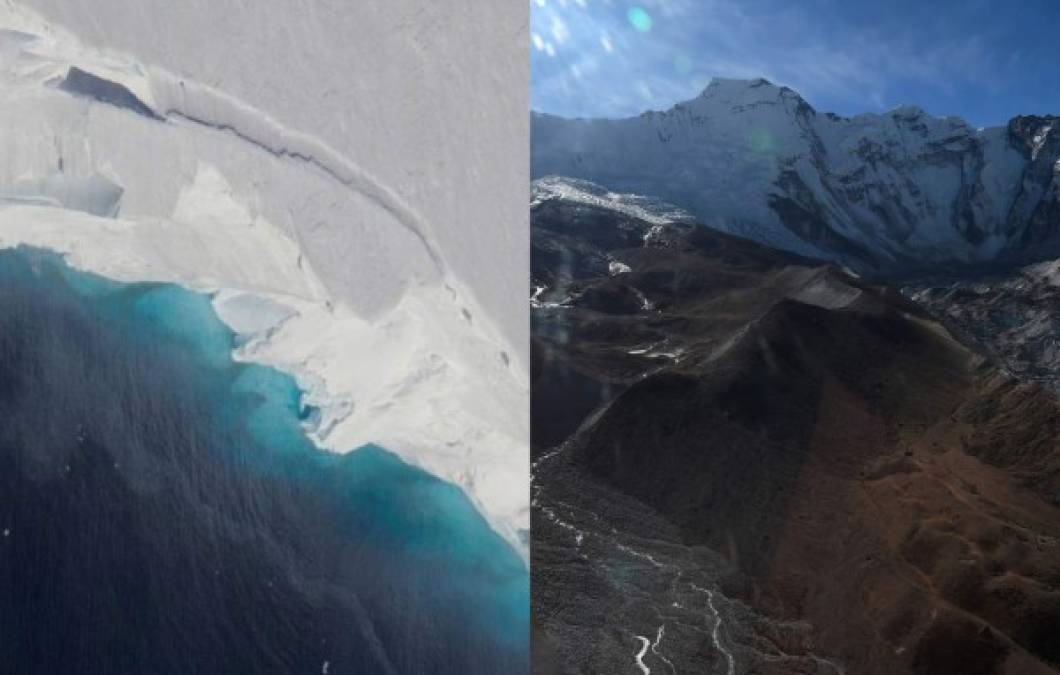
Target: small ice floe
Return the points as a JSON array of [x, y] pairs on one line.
[[614, 268], [7, 532]]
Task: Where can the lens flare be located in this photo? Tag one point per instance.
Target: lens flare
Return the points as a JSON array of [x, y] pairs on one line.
[[639, 18], [760, 140]]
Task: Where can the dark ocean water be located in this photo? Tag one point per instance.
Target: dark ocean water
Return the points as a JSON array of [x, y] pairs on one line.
[[161, 510]]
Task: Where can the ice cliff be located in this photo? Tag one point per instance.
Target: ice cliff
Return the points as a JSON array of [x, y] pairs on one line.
[[314, 169]]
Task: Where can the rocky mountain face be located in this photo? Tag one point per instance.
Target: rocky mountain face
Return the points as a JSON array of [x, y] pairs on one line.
[[886, 192], [1014, 316], [748, 461]]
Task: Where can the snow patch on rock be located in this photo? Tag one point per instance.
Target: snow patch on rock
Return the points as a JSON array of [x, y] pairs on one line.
[[643, 207]]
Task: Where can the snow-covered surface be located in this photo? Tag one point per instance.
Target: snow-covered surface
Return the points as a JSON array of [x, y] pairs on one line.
[[398, 86], [819, 287], [315, 169], [93, 194], [1038, 142], [1047, 272], [754, 159], [645, 208]]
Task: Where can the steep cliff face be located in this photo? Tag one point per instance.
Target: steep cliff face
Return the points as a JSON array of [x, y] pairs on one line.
[[881, 192], [1038, 200]]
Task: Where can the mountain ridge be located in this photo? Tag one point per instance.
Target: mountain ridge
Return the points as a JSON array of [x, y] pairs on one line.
[[884, 193], [852, 486]]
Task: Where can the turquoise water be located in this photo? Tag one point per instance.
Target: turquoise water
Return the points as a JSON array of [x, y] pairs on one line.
[[278, 555]]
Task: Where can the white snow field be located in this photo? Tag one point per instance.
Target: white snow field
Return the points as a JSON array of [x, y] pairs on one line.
[[349, 181]]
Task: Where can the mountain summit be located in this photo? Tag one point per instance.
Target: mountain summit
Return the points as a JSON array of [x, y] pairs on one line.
[[887, 192]]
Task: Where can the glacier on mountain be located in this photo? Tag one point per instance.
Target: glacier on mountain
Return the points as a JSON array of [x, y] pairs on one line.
[[879, 192]]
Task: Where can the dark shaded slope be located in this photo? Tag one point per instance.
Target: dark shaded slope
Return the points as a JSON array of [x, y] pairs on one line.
[[745, 421], [852, 467]]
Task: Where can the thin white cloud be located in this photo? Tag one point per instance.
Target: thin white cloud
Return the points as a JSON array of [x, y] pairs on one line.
[[559, 29], [779, 40]]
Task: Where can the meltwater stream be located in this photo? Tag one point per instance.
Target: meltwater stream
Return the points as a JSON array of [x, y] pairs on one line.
[[618, 589], [162, 511]]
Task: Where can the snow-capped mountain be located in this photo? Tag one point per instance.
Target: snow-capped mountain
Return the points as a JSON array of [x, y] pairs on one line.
[[876, 191]]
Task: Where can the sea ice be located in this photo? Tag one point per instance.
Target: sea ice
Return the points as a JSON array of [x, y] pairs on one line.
[[405, 331]]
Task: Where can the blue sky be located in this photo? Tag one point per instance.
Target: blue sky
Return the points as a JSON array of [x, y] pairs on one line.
[[982, 60]]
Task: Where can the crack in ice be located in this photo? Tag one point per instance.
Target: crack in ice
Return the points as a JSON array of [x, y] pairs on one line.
[[345, 173]]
